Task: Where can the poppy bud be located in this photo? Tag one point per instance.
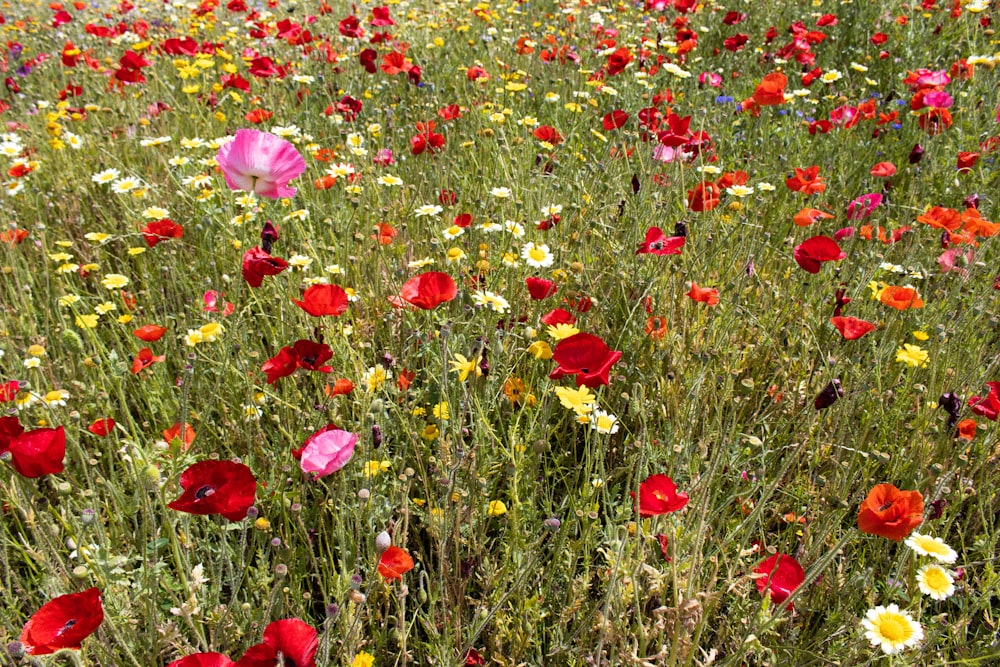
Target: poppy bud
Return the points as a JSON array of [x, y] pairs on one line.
[[268, 235], [680, 229], [383, 541], [916, 154], [972, 201], [376, 436], [484, 364]]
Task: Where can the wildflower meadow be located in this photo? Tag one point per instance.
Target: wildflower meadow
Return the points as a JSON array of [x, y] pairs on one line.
[[521, 333]]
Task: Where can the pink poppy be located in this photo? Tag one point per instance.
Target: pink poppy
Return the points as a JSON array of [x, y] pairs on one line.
[[658, 243], [260, 162], [327, 450], [863, 206], [812, 252]]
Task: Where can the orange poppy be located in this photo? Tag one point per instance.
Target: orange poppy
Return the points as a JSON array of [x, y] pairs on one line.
[[771, 90], [708, 295], [901, 298], [341, 387], [394, 563], [891, 513], [942, 218], [385, 233], [808, 216], [656, 327], [174, 433], [967, 429], [973, 223]]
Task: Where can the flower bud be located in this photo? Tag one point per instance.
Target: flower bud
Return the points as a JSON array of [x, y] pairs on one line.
[[383, 541]]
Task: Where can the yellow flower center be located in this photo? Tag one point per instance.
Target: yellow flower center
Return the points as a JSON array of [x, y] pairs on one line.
[[894, 628], [936, 579]]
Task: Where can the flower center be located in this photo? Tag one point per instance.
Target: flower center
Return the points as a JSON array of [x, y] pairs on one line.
[[936, 580], [894, 629], [204, 492]]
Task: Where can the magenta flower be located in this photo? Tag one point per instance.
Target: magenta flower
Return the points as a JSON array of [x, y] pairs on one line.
[[327, 450], [863, 206], [260, 162]]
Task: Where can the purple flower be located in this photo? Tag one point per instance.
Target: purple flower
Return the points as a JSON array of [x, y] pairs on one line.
[[260, 162]]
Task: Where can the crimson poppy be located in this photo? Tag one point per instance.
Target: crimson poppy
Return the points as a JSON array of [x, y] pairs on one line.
[[320, 300], [203, 660], [161, 230], [891, 513], [429, 290], [615, 120], [987, 406], [63, 623], [851, 328], [217, 487], [102, 427], [394, 563], [10, 428], [145, 359], [287, 642], [558, 316], [707, 295], [831, 393], [780, 576], [659, 495], [305, 354], [39, 452], [813, 251], [540, 288], [8, 391], [806, 181], [658, 243], [150, 333], [586, 356], [257, 263]]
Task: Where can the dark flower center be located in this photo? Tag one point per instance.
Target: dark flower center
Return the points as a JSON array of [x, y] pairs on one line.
[[885, 506], [204, 492]]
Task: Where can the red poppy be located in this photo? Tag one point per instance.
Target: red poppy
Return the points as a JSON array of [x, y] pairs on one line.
[[145, 359], [707, 295], [883, 170], [540, 288], [811, 253], [808, 216], [586, 356], [287, 642], [203, 660], [63, 623], [806, 181], [771, 90], [987, 406], [704, 197], [935, 121], [258, 116], [394, 563], [966, 160], [658, 243], [8, 391], [13, 236], [615, 120], [548, 134], [659, 495], [891, 513], [429, 290], [462, 220], [258, 263], [150, 333], [558, 316], [102, 426], [302, 354], [174, 433], [10, 428], [217, 487], [36, 453], [161, 230], [320, 300], [851, 328], [779, 576], [426, 139]]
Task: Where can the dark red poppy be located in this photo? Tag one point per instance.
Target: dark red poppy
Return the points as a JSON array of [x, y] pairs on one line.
[[102, 426], [891, 513], [63, 623], [217, 487], [540, 288], [161, 230], [852, 328], [203, 660], [429, 290], [394, 563], [831, 393], [150, 333], [615, 120], [39, 452], [659, 495], [351, 27], [144, 359], [368, 58], [587, 357], [987, 406], [287, 642], [779, 576], [658, 243], [320, 300], [811, 253], [305, 354], [257, 263], [558, 316]]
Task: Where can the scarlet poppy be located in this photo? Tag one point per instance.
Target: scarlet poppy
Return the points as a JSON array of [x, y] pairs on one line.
[[145, 359], [658, 243], [771, 90], [973, 223], [302, 354], [811, 253], [394, 563], [548, 134], [161, 230], [707, 295], [558, 316], [429, 290], [966, 160], [33, 453], [966, 429], [808, 216], [891, 513], [540, 288], [203, 660], [320, 300], [8, 391], [704, 197], [287, 642], [615, 120], [341, 387], [258, 116], [852, 328], [659, 495], [258, 263], [883, 170], [780, 576], [217, 487], [587, 357], [806, 181], [102, 427], [987, 406], [901, 298], [63, 623], [150, 333], [183, 434]]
